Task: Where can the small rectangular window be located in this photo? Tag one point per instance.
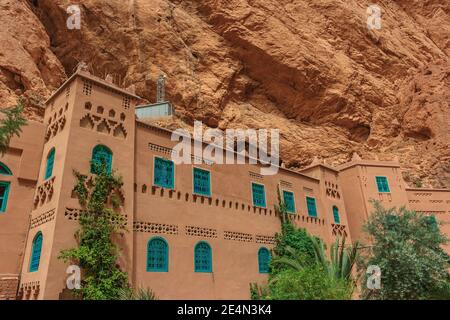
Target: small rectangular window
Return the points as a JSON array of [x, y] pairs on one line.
[[258, 195], [382, 184], [164, 173], [202, 182], [4, 192], [289, 201], [311, 205]]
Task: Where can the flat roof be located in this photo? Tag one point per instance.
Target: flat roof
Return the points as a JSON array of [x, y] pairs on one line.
[[368, 163], [95, 79]]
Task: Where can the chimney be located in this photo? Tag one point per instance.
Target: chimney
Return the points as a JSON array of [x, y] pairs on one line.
[[161, 88]]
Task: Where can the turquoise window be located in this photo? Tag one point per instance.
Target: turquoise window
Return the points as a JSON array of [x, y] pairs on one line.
[[382, 184], [4, 193], [337, 219], [101, 156], [164, 173], [157, 255], [263, 260], [258, 195], [4, 170], [49, 165], [202, 182], [202, 257], [289, 201], [311, 205], [36, 252]]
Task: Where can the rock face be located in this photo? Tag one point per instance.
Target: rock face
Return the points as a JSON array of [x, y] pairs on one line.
[[311, 68]]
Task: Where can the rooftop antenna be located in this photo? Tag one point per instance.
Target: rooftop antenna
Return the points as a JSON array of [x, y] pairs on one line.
[[161, 88]]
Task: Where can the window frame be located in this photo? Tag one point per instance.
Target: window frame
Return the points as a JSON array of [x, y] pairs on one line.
[[7, 185], [265, 195], [334, 215], [6, 168], [378, 185], [110, 160], [210, 269], [52, 154], [153, 173], [32, 253], [193, 182], [293, 198], [315, 206], [166, 266], [261, 270]]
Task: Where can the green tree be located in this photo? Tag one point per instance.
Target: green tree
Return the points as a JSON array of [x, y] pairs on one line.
[[300, 268], [407, 246], [308, 283], [10, 124], [100, 221]]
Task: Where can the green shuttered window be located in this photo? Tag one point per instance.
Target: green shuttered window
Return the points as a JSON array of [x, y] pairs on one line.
[[337, 219], [202, 257], [163, 173], [36, 252], [258, 195], [49, 165], [263, 260], [157, 255], [382, 184], [101, 156], [202, 182], [4, 193], [4, 170], [311, 205], [289, 201]]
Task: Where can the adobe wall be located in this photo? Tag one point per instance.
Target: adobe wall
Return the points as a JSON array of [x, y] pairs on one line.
[[21, 159], [331, 194], [228, 221], [85, 129], [359, 187], [432, 202]]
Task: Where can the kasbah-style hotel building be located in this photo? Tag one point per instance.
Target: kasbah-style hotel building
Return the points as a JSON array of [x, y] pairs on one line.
[[195, 231]]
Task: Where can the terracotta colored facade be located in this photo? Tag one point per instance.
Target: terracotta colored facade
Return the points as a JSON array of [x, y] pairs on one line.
[[86, 112]]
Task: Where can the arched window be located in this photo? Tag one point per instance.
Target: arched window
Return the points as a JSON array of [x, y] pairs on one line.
[[203, 257], [101, 155], [36, 252], [50, 162], [4, 170], [157, 255], [263, 260], [337, 220]]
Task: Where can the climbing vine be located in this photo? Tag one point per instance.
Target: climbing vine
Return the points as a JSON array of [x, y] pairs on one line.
[[100, 220]]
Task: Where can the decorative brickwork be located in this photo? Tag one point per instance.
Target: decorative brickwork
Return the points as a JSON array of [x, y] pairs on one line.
[[8, 287], [44, 192], [265, 239], [237, 236], [107, 124], [29, 290], [201, 232], [42, 218], [151, 227]]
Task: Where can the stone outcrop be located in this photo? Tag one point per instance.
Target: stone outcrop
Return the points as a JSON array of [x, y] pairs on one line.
[[309, 67]]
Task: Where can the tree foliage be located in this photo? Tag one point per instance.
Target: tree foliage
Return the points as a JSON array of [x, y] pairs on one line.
[[407, 246], [300, 268], [11, 124], [100, 220]]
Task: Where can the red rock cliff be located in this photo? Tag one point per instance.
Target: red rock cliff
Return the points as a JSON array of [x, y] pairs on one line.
[[309, 67]]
